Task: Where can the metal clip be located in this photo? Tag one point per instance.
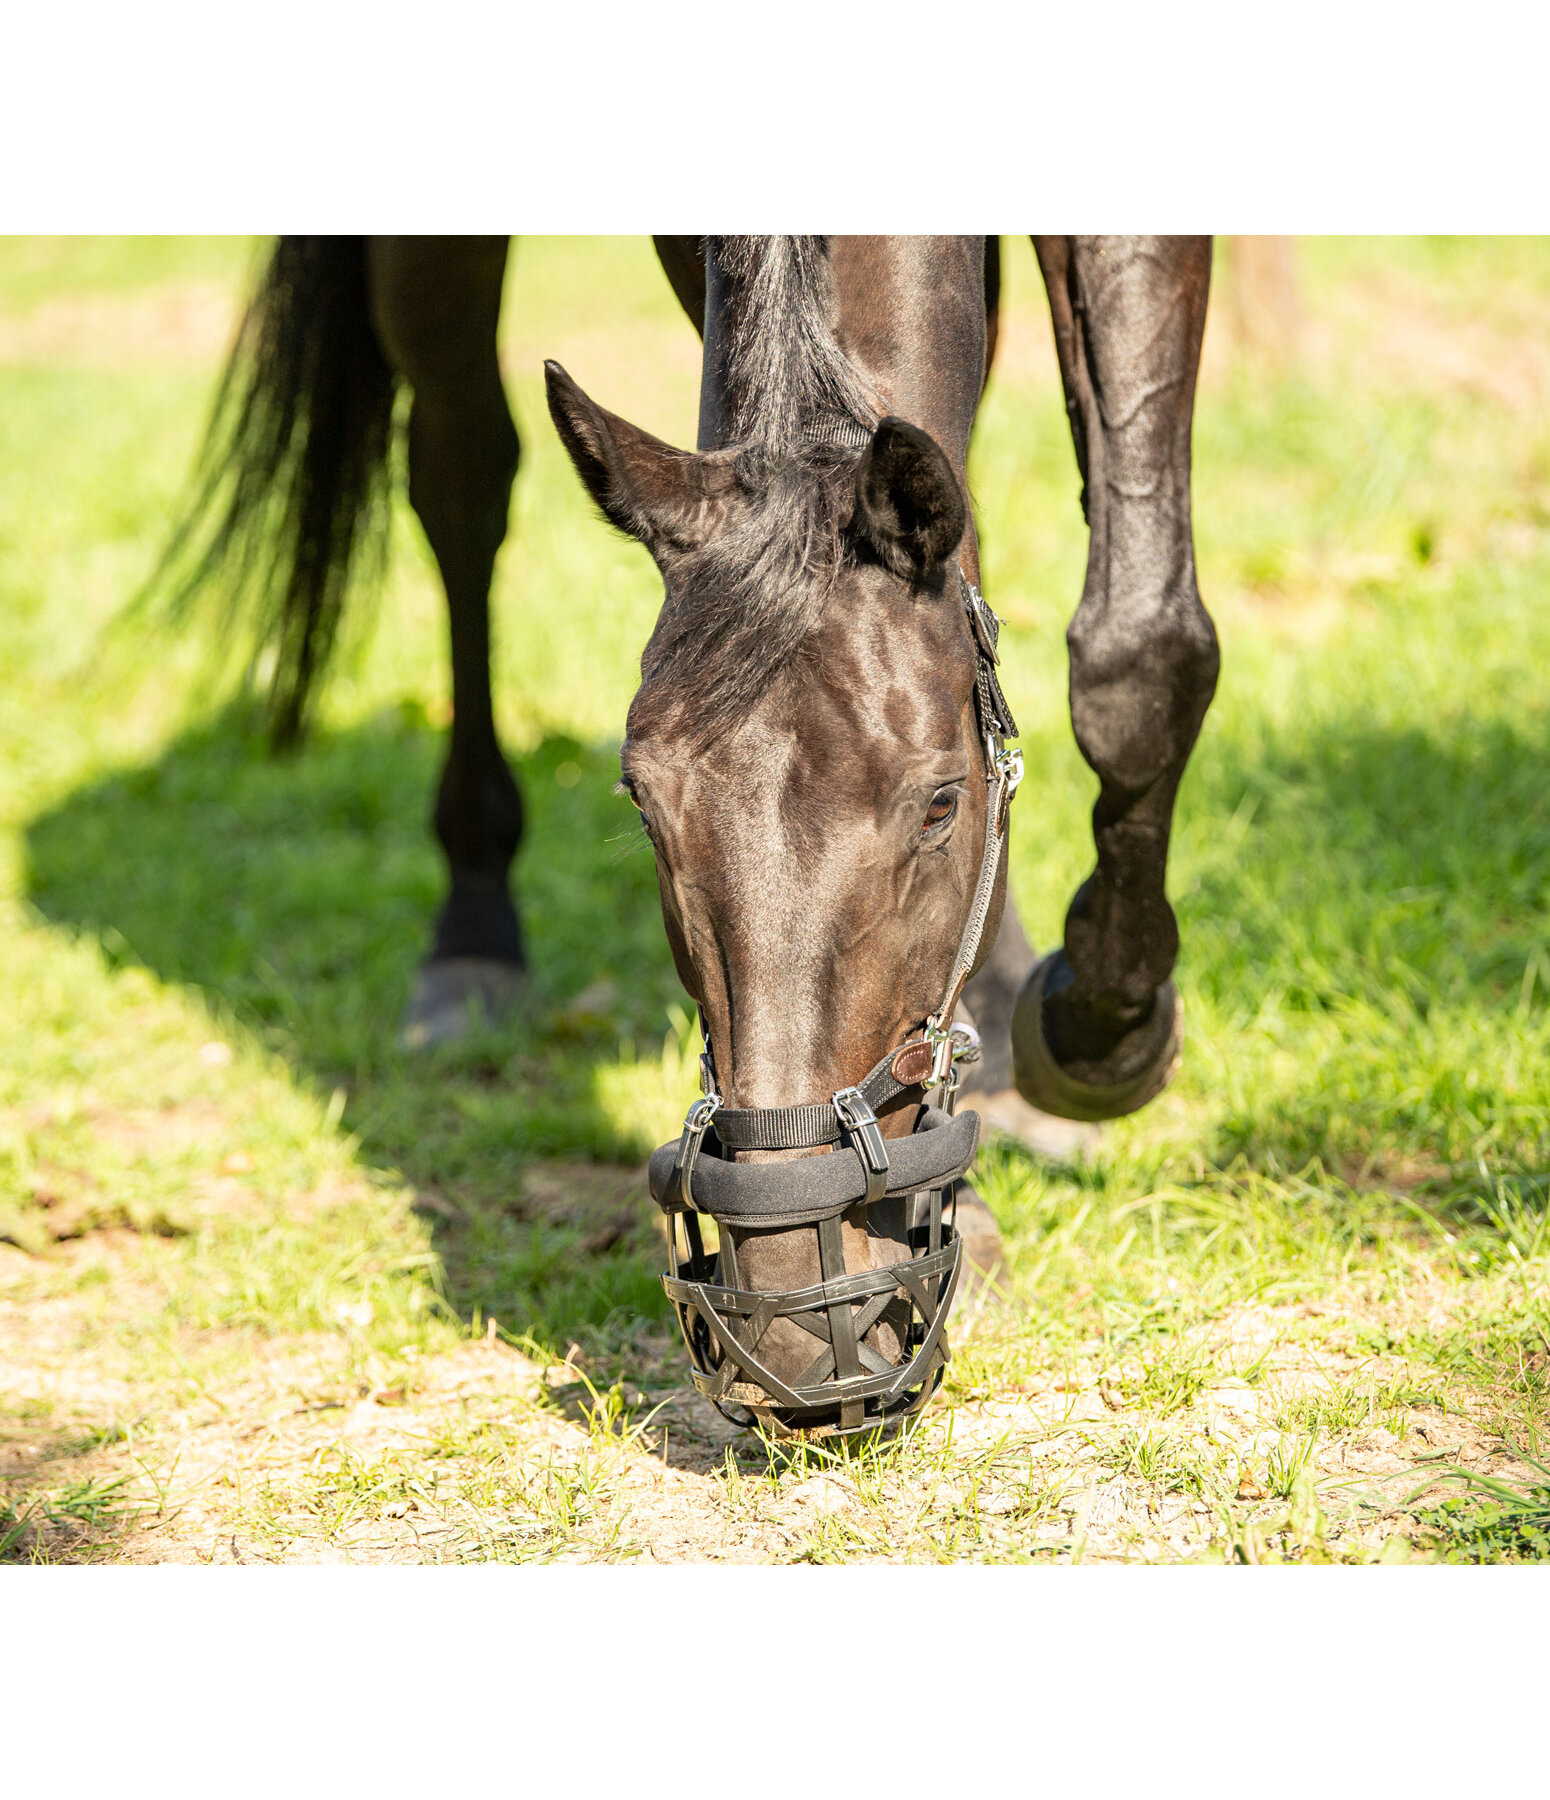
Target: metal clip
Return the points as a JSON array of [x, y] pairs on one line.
[[854, 1112], [941, 1042], [956, 1044]]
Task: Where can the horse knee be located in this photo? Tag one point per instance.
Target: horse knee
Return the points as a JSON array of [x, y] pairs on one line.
[[1142, 676]]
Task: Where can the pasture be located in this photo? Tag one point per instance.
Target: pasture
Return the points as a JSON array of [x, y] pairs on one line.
[[274, 1289]]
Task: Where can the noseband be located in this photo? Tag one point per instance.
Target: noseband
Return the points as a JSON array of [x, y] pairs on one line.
[[899, 1189]]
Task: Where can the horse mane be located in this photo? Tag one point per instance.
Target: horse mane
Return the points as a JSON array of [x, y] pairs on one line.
[[749, 600], [788, 381]]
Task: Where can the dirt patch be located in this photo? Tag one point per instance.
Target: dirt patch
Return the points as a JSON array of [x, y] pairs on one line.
[[293, 1455], [88, 1169]]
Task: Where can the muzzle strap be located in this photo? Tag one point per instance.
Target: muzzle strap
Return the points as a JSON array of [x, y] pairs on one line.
[[811, 1126], [850, 1104]]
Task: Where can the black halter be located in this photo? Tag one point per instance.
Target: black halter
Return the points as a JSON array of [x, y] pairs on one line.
[[849, 1386]]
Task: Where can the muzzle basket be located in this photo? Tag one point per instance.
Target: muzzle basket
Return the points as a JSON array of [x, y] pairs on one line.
[[854, 1317]]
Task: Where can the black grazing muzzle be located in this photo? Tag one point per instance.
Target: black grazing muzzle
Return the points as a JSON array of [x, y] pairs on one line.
[[897, 1190]]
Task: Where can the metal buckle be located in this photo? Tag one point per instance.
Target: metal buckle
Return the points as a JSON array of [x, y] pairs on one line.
[[986, 626], [941, 1050], [699, 1116], [854, 1112], [1003, 762], [950, 1046], [696, 1124]]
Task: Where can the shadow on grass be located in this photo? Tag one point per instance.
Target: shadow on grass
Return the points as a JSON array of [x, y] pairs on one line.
[[1359, 876], [297, 894]]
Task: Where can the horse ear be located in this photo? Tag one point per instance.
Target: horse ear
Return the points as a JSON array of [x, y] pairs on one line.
[[669, 499], [909, 508]]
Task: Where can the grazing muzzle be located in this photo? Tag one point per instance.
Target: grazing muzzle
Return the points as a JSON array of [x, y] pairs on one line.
[[879, 1333]]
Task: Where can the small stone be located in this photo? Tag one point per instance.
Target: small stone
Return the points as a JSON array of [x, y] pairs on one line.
[[1234, 1397]]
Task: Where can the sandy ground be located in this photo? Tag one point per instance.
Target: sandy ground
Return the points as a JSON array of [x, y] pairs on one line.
[[275, 1452]]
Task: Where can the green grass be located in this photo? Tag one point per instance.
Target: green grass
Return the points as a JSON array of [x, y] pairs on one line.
[[1359, 1144], [1490, 1522]]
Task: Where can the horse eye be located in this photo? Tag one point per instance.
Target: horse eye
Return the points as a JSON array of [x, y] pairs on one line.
[[941, 809], [627, 788]]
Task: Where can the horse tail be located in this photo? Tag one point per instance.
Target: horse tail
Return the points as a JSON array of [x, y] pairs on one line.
[[293, 482]]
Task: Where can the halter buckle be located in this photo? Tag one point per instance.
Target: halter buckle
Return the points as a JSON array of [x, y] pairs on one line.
[[854, 1112], [950, 1045], [696, 1124], [983, 622]]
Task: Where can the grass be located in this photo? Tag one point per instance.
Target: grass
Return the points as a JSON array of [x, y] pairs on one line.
[[270, 1287]]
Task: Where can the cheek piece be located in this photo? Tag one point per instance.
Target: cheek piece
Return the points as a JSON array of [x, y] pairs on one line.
[[900, 1190]]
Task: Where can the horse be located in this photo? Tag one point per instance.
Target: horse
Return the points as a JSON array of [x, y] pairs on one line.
[[808, 748]]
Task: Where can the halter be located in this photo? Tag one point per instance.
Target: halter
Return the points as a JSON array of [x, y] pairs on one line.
[[897, 1189]]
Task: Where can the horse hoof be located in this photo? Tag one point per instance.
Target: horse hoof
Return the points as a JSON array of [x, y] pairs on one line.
[[1042, 1081], [1007, 1114], [453, 997]]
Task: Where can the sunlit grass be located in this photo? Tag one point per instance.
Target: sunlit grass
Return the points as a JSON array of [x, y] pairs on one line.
[[206, 952]]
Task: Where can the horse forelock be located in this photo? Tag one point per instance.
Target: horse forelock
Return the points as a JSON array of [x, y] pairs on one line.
[[739, 611]]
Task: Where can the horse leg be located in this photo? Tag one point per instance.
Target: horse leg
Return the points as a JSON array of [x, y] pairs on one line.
[[436, 304], [1098, 1026], [683, 263], [991, 997]]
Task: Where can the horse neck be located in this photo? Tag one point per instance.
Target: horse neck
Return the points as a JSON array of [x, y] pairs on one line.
[[911, 317], [909, 314]]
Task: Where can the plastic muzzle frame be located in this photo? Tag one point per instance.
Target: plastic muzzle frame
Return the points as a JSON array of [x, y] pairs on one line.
[[850, 1385]]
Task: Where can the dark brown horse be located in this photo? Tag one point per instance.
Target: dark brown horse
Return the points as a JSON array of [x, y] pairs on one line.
[[802, 746]]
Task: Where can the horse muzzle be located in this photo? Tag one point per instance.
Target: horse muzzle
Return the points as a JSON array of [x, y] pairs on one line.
[[897, 1192]]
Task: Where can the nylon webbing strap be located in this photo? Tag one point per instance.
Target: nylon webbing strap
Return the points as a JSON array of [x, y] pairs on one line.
[[778, 1127], [984, 891], [808, 1126]]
